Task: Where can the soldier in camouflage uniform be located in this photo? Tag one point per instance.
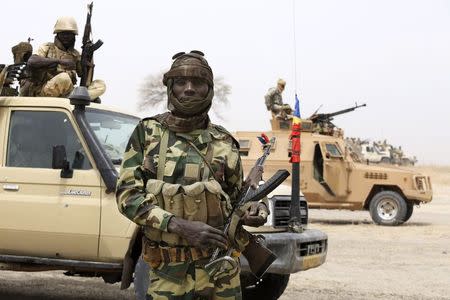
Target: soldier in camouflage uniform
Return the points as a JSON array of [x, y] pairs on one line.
[[55, 66], [21, 53], [179, 178], [274, 102]]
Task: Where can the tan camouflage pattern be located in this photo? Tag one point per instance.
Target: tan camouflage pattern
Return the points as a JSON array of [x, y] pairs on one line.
[[272, 97], [57, 82], [190, 281], [55, 50]]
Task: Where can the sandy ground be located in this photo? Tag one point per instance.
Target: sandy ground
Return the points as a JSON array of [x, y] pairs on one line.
[[364, 261]]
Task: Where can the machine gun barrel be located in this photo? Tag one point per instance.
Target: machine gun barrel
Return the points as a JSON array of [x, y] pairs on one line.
[[329, 116]]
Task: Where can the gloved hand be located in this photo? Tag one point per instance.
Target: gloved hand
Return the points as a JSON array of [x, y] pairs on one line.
[[255, 215]]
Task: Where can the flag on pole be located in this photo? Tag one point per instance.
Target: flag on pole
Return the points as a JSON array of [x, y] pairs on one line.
[[295, 134]]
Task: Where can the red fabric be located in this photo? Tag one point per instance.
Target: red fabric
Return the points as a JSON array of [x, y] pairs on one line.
[[296, 143]]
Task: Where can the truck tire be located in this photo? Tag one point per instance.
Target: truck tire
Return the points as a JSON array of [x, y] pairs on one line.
[[388, 208], [271, 287], [409, 211], [141, 279]]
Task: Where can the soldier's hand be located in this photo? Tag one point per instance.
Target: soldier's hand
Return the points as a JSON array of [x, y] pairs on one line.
[[198, 234], [256, 215], [67, 64]]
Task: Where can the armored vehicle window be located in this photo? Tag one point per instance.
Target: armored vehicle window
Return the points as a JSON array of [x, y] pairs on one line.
[[32, 135], [333, 150]]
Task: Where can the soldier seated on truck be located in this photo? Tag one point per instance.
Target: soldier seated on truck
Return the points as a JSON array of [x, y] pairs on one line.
[[55, 66], [9, 74], [274, 102]]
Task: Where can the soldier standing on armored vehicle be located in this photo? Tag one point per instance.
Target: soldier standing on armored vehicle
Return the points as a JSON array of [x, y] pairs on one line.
[[274, 102], [178, 180], [55, 66]]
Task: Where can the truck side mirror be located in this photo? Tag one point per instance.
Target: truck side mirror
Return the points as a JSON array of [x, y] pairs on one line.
[[59, 161]]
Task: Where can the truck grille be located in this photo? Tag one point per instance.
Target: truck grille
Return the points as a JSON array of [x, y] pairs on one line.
[[281, 205], [311, 248]]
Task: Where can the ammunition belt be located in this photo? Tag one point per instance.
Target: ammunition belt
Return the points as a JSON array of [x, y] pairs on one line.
[[155, 254]]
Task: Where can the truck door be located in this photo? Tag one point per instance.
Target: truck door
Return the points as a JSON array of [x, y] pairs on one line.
[[335, 172], [40, 212], [330, 168]]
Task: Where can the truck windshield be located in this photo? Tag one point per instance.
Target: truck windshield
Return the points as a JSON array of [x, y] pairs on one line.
[[113, 130]]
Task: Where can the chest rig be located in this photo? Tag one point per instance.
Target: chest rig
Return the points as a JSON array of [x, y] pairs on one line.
[[185, 180]]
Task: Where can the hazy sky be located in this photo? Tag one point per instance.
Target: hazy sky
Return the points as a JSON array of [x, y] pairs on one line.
[[392, 55]]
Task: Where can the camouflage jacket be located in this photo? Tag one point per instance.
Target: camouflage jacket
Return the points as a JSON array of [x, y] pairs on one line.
[[55, 50], [140, 163], [272, 97]]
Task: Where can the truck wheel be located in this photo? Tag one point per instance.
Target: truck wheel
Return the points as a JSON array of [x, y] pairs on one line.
[[141, 279], [388, 208], [385, 160], [409, 211], [271, 287]]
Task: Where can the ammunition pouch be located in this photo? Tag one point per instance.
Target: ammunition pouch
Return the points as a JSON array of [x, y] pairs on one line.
[[154, 253], [203, 201]]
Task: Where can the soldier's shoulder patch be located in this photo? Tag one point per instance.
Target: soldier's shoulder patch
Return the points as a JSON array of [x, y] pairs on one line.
[[220, 133]]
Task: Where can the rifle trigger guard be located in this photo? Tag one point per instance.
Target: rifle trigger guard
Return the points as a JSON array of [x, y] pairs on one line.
[[220, 265]]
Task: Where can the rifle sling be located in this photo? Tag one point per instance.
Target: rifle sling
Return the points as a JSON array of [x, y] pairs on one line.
[[162, 154], [201, 155]]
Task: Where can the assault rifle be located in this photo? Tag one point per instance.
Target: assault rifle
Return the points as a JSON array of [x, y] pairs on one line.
[[87, 54], [259, 257]]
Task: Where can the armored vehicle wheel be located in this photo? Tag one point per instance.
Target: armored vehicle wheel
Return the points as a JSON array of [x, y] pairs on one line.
[[388, 208], [141, 279], [385, 160], [409, 211], [271, 287]]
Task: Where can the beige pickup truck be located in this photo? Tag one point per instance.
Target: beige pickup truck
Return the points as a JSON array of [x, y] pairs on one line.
[[59, 160]]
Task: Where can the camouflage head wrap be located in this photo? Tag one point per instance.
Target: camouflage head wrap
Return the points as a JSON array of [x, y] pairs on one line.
[[191, 64], [21, 52]]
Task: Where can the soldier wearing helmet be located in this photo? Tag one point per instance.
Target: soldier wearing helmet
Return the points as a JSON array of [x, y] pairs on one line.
[[179, 177], [55, 66], [21, 53], [274, 102]]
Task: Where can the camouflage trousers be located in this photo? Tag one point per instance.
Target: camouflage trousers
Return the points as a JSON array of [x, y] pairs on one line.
[[189, 281]]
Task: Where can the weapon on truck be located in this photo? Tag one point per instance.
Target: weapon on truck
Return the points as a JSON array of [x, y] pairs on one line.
[[259, 257], [87, 54], [327, 118]]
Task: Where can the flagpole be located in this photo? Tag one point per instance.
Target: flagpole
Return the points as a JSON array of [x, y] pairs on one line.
[[295, 224]]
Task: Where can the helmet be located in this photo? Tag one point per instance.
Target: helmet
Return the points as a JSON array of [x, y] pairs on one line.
[[66, 24], [281, 82], [191, 64], [21, 52]]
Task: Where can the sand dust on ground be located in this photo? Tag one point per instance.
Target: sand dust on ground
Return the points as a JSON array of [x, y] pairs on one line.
[[364, 261]]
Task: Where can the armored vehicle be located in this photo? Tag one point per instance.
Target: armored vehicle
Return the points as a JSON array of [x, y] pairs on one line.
[[334, 177], [58, 169]]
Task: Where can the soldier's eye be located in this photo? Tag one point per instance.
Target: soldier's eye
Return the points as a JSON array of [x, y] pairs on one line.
[[180, 81], [198, 81]]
